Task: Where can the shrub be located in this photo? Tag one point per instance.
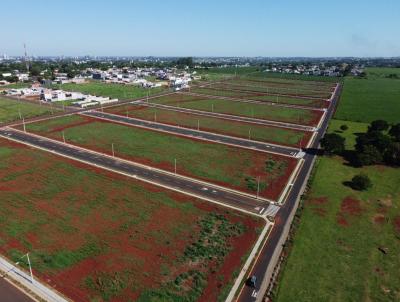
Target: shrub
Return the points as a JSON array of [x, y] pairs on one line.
[[361, 182], [344, 127]]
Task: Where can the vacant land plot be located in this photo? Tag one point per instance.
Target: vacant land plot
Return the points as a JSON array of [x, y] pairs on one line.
[[292, 90], [260, 111], [212, 74], [347, 245], [233, 167], [262, 75], [97, 236], [216, 125], [372, 98], [11, 110], [118, 91], [250, 95]]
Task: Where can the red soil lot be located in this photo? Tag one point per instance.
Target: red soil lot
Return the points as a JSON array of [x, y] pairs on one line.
[[273, 191], [349, 207], [137, 242], [171, 120]]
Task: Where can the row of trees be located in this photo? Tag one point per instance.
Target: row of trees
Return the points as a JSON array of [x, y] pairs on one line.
[[379, 145]]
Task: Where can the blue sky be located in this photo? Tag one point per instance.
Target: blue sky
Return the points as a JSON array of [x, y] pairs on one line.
[[202, 27]]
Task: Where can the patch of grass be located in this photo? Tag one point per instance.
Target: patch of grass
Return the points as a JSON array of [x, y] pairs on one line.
[[350, 134], [372, 98], [10, 110], [332, 262], [118, 91], [212, 243]]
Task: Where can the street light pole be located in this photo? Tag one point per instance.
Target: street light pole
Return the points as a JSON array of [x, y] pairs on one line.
[[258, 186], [112, 149], [63, 136], [23, 123], [175, 166], [250, 134], [30, 267], [198, 125]]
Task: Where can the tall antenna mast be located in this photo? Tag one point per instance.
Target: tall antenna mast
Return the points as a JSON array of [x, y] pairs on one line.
[[26, 58]]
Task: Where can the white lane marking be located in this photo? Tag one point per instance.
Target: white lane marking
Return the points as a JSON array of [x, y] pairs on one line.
[[254, 293], [204, 189], [262, 210]]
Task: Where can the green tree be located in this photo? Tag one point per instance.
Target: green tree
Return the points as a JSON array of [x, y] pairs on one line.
[[333, 143], [392, 154], [395, 132], [378, 125], [361, 182], [369, 156]]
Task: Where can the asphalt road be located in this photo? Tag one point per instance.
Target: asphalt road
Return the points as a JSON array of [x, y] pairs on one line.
[[227, 116], [207, 136], [281, 219], [171, 181], [10, 293]]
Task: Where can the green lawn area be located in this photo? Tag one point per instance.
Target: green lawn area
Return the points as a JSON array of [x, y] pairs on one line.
[[346, 246], [220, 164], [15, 85], [380, 72], [216, 125], [349, 134], [10, 109], [372, 98], [261, 111], [335, 255], [118, 91], [97, 236]]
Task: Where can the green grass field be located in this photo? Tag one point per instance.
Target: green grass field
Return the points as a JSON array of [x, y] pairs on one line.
[[216, 125], [10, 110], [97, 236], [261, 111], [216, 163], [118, 91], [15, 85], [336, 254], [372, 98]]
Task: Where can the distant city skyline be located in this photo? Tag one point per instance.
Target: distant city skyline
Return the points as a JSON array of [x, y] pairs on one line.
[[203, 28]]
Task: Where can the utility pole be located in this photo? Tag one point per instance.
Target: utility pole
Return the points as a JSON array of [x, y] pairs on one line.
[[112, 149], [250, 134], [175, 166], [30, 267], [258, 186], [23, 123], [26, 59], [198, 125], [63, 136]]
